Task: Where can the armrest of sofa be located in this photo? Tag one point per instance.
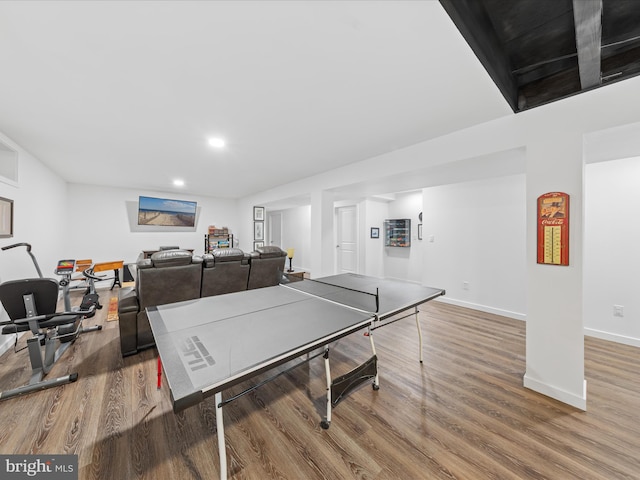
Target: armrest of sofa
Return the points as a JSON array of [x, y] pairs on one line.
[[128, 307], [267, 265], [128, 300]]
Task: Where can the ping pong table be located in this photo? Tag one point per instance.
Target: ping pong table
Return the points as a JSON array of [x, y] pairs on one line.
[[210, 344]]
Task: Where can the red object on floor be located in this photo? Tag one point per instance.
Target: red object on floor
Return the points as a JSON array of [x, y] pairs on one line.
[[159, 373]]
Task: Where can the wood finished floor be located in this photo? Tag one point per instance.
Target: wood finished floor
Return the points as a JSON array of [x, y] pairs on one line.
[[463, 414]]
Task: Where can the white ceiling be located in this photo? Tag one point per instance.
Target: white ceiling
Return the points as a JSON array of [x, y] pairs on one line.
[[127, 93]]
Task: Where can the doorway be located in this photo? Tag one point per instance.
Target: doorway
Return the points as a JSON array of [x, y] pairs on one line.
[[347, 239], [274, 229]]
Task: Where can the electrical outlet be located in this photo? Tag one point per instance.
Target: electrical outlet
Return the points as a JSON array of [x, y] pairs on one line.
[[465, 285], [618, 311]]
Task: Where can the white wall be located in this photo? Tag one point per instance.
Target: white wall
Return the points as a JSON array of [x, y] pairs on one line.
[[39, 216], [103, 225], [405, 263], [474, 232], [296, 228], [612, 253], [373, 213], [38, 212]]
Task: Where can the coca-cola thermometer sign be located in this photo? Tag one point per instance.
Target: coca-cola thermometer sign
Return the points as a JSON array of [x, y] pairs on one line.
[[553, 228]]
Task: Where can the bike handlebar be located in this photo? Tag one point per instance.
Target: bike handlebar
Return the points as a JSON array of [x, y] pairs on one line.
[[33, 258], [22, 244], [89, 274]]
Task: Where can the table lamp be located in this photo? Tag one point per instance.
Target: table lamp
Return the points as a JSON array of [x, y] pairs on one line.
[[290, 257]]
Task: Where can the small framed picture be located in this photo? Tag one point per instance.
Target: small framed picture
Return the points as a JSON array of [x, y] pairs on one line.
[[419, 231], [258, 214], [375, 232], [6, 218], [257, 245], [258, 231]]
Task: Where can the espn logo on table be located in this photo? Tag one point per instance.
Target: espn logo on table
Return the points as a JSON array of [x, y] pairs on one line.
[[50, 467]]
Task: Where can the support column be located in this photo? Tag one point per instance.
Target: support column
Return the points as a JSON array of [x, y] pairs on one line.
[[322, 234], [555, 334]]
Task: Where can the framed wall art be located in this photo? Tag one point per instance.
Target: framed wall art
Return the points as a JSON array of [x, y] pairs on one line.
[[553, 228], [258, 214], [6, 218], [258, 231]]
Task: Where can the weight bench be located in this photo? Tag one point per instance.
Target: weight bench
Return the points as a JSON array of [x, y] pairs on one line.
[[31, 306]]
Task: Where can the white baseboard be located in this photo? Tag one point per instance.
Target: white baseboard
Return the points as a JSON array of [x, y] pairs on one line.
[[6, 341], [613, 337], [591, 332], [559, 394], [483, 308]]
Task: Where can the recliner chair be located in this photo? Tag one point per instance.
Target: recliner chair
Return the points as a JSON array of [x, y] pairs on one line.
[[31, 306], [267, 266], [169, 276], [226, 270]]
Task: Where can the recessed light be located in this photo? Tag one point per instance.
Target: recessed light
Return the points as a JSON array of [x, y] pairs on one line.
[[178, 183], [217, 142]]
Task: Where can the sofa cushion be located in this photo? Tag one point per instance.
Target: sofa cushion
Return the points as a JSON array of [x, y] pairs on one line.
[[226, 270], [172, 258], [220, 255], [159, 286], [270, 251]]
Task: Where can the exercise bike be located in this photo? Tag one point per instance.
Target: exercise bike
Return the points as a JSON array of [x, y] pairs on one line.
[[31, 306]]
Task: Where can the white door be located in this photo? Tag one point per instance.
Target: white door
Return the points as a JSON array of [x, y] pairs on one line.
[[347, 236], [274, 222]]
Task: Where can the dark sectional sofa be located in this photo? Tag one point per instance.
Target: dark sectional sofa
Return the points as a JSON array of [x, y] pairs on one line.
[[171, 276]]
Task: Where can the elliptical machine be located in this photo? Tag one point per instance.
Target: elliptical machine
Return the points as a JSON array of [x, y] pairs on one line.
[[31, 306]]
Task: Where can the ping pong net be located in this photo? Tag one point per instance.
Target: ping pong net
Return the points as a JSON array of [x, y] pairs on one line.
[[351, 296]]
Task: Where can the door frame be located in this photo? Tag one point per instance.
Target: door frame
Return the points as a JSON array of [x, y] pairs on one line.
[[337, 235]]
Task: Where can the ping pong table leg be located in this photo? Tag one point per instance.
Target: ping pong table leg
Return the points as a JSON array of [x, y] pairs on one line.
[[326, 423], [222, 451], [376, 380], [419, 332]]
